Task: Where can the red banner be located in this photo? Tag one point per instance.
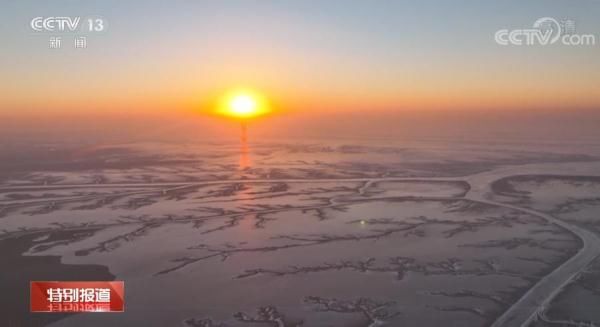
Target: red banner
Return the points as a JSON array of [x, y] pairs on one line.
[[77, 296]]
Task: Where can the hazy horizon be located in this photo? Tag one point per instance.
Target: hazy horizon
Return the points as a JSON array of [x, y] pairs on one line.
[[495, 126]]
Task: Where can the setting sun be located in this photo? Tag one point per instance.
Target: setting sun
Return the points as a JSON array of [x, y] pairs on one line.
[[242, 105]]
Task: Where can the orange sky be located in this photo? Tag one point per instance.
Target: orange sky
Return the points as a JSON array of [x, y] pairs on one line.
[[343, 57]]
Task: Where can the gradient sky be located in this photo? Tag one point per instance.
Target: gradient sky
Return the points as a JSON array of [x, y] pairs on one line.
[[173, 56]]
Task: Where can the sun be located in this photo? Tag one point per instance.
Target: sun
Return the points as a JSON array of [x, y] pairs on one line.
[[242, 104]]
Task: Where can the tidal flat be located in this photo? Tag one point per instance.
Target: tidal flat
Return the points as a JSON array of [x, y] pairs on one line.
[[307, 234]]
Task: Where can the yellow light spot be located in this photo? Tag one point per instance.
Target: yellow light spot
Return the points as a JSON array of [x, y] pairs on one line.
[[242, 105]]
